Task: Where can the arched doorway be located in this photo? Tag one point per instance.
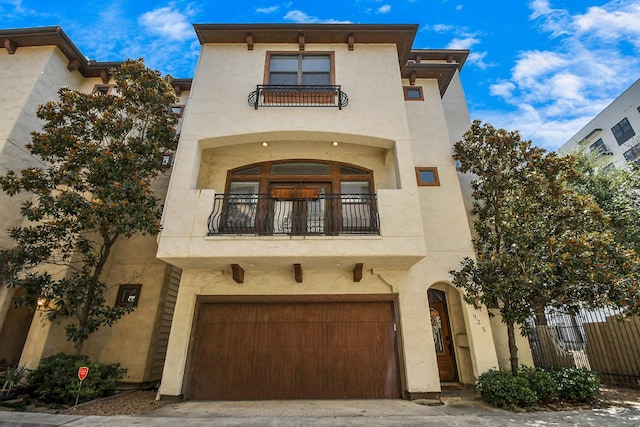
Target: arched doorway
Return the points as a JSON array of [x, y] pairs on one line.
[[442, 338]]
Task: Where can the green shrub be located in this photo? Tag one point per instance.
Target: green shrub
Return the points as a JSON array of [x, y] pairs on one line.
[[503, 390], [12, 378], [576, 385], [542, 382], [56, 379]]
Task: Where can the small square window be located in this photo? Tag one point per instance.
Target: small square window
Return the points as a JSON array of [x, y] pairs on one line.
[[413, 93], [427, 176], [102, 89], [177, 110], [166, 160], [128, 295]]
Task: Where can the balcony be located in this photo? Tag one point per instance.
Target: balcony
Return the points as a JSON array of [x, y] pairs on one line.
[[298, 96], [294, 212]]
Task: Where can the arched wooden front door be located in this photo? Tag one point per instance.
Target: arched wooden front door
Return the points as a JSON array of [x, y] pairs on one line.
[[442, 339]]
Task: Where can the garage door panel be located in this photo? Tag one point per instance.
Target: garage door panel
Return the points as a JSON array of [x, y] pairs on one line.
[[315, 350]]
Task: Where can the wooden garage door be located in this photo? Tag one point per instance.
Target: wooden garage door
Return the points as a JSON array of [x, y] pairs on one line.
[[294, 350]]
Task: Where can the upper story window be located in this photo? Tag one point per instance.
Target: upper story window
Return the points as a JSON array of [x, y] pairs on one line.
[[102, 89], [413, 93], [632, 155], [598, 147], [427, 176], [300, 69], [623, 131]]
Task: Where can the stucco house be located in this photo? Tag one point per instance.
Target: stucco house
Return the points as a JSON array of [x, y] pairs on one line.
[[34, 64], [312, 216], [315, 212]]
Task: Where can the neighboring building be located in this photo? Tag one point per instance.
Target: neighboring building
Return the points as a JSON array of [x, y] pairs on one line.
[[614, 133], [315, 212], [34, 64], [312, 218]]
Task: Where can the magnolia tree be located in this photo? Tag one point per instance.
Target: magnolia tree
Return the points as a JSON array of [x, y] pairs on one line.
[[539, 244], [102, 153]]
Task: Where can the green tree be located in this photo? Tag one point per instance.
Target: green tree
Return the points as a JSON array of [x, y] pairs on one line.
[[616, 191], [102, 153], [538, 243]]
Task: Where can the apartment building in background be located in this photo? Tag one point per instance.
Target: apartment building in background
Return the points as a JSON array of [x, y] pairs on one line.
[[614, 133]]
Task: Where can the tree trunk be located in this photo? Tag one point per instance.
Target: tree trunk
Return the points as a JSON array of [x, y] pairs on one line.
[[513, 348], [83, 319]]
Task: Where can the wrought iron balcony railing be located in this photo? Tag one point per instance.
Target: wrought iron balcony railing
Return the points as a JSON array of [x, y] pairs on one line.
[[304, 215], [298, 96]]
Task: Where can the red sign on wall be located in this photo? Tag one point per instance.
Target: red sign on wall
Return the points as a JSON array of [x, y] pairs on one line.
[[82, 372]]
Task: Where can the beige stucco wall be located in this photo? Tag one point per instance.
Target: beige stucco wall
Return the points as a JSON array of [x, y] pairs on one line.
[[220, 121], [377, 130], [34, 75]]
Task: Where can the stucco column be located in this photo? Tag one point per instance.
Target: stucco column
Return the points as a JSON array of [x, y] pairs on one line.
[[178, 346], [480, 336]]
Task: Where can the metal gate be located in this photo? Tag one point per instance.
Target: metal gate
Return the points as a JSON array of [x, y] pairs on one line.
[[597, 340]]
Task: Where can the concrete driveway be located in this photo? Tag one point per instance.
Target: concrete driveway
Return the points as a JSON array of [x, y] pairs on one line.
[[455, 412]]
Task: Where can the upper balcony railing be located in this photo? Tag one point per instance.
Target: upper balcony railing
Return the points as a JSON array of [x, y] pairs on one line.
[[298, 96], [299, 214]]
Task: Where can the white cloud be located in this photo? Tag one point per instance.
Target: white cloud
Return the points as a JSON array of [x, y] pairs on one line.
[[611, 24], [301, 17], [167, 22], [463, 43], [385, 8], [459, 7], [442, 28], [553, 93], [477, 59], [503, 89], [267, 10]]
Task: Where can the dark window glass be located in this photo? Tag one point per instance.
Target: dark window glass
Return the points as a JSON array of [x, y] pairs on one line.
[[255, 170], [347, 170], [300, 70], [300, 168], [598, 147], [633, 154], [623, 131], [128, 295]]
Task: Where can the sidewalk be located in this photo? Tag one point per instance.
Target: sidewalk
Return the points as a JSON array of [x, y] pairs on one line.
[[456, 412]]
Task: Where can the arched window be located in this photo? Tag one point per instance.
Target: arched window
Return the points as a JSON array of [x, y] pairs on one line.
[[298, 197]]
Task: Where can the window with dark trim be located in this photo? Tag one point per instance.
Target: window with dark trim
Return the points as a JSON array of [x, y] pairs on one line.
[[632, 155], [598, 147], [427, 176], [623, 131], [177, 110], [102, 89], [299, 69], [413, 93], [128, 295]]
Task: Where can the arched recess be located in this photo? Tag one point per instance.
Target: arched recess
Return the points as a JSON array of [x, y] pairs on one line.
[[443, 294], [218, 155]]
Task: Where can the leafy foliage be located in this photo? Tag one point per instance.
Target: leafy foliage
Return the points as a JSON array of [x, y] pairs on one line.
[[538, 243], [542, 382], [576, 385], [102, 153], [56, 379], [617, 192], [534, 385], [503, 390], [13, 377]]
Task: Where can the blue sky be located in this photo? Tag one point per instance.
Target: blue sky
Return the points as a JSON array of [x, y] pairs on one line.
[[544, 67]]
